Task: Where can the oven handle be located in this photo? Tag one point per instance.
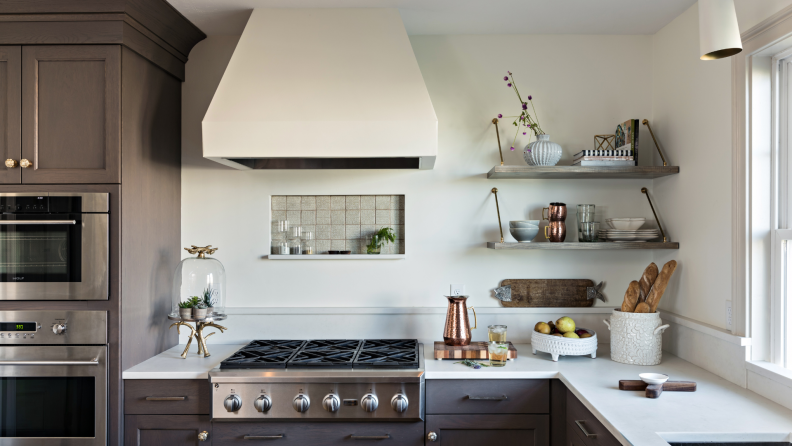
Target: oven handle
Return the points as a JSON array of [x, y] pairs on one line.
[[94, 361], [38, 222]]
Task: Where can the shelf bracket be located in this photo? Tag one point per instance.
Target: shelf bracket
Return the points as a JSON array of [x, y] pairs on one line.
[[662, 233], [497, 133], [646, 123], [497, 208]]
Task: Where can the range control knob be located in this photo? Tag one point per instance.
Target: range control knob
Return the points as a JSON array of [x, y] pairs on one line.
[[369, 402], [263, 403], [232, 403], [59, 329], [301, 403], [399, 403], [331, 402]]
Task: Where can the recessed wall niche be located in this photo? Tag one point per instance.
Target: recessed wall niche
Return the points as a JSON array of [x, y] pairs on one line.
[[341, 222]]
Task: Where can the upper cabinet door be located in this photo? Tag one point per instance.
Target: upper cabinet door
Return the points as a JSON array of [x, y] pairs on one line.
[[71, 108], [10, 114]]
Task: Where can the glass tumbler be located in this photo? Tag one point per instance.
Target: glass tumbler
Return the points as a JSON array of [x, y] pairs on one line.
[[498, 353], [589, 231], [497, 333], [308, 242], [295, 232], [585, 214]]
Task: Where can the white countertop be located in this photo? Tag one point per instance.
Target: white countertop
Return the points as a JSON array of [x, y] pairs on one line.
[[718, 410]]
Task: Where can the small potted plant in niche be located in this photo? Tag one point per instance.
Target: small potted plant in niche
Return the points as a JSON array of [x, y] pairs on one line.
[[185, 309], [209, 299], [199, 311], [383, 236]]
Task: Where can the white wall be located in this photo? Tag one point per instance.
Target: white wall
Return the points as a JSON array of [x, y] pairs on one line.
[[450, 212]]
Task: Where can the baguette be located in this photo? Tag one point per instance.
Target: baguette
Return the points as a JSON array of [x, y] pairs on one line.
[[642, 307], [631, 297], [659, 287], [647, 280]]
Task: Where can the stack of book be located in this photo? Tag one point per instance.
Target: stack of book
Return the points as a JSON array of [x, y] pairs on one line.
[[604, 158]]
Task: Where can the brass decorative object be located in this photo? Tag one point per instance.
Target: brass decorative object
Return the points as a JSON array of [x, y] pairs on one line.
[[662, 233], [497, 208], [23, 163], [10, 163], [600, 142], [201, 251], [646, 123], [196, 333], [497, 133]]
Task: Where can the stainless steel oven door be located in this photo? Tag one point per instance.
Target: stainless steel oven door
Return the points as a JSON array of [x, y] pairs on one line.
[[53, 396], [54, 256]]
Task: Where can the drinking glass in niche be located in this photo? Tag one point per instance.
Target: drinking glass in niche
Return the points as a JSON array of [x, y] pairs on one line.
[[380, 238], [308, 242]]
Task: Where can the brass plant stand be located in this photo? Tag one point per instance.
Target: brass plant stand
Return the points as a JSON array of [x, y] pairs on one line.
[[197, 331]]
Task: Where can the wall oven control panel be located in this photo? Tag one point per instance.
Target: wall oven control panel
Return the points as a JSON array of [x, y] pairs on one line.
[[53, 327]]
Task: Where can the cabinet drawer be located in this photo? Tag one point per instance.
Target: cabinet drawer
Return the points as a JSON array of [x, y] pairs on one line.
[[319, 434], [573, 435], [476, 430], [167, 396], [489, 396], [579, 418]]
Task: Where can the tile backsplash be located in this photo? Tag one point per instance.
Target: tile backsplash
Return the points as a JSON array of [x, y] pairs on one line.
[[342, 222]]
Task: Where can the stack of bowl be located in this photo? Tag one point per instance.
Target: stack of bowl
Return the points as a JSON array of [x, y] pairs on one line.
[[524, 231]]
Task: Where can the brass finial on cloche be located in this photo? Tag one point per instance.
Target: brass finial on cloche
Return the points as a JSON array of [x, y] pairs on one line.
[[201, 251]]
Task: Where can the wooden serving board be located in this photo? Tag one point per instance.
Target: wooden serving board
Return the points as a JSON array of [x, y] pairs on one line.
[[548, 292], [655, 390], [476, 350]]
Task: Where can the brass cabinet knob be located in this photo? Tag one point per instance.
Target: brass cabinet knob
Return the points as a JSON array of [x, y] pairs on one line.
[[23, 163], [203, 436], [431, 436], [10, 163]]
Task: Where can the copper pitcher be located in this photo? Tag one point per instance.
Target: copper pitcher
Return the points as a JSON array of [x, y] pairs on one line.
[[457, 326]]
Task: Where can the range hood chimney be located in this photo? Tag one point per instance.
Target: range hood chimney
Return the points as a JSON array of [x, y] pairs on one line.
[[322, 89]]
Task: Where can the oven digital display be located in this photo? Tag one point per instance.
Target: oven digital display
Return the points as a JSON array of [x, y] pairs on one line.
[[18, 326]]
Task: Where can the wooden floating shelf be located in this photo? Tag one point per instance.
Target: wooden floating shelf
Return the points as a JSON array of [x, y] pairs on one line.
[[582, 246], [578, 172], [337, 257]]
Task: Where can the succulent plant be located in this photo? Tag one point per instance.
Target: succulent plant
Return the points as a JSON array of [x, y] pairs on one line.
[[209, 297], [186, 304], [201, 306]]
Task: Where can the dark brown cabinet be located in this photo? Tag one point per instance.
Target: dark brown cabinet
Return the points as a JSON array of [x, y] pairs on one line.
[[167, 430], [10, 112], [499, 411], [71, 114], [589, 430], [319, 434]]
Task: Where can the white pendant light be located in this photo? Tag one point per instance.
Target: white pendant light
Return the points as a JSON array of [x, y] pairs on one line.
[[719, 35]]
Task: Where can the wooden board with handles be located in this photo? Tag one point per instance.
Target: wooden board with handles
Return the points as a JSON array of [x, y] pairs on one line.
[[476, 350], [655, 390], [548, 292]]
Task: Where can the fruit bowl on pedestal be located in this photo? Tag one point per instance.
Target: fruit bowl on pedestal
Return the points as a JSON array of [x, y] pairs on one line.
[[561, 346]]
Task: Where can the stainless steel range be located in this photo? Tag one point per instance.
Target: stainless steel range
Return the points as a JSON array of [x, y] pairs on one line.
[[343, 380]]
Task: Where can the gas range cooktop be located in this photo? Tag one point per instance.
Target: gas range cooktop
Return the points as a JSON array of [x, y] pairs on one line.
[[370, 354]]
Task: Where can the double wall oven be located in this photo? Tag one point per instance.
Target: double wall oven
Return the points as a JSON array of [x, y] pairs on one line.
[[54, 246]]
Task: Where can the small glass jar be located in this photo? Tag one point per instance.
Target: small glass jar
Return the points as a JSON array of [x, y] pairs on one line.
[[295, 246], [308, 247], [295, 232], [283, 247]]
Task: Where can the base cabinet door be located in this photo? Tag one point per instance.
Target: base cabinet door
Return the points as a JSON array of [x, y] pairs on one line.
[[167, 430], [10, 114], [477, 430], [319, 434]]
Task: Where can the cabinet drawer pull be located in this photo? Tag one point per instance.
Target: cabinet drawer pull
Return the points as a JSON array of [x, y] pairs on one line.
[[263, 437], [488, 398], [371, 437], [583, 428], [166, 398]]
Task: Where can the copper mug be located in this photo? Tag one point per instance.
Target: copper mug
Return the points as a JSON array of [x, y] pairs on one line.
[[457, 327], [556, 230], [556, 212]]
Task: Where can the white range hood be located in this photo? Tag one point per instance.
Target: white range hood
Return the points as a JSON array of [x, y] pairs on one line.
[[322, 88]]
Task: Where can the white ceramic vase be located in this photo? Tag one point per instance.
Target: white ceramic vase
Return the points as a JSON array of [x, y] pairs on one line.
[[636, 338], [542, 152]]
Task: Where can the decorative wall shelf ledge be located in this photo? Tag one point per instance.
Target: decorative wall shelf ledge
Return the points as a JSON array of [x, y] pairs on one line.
[[338, 257], [578, 172], [582, 246]]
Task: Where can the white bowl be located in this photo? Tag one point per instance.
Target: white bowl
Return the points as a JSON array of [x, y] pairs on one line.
[[653, 378], [626, 223], [561, 346], [524, 224], [524, 235]]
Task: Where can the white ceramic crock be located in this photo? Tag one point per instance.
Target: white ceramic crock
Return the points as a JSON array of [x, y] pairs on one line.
[[636, 338], [542, 152]]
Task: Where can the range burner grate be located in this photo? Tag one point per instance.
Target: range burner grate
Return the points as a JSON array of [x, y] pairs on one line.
[[338, 353]]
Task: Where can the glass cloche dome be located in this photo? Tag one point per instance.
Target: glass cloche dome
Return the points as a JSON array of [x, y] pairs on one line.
[[199, 282]]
